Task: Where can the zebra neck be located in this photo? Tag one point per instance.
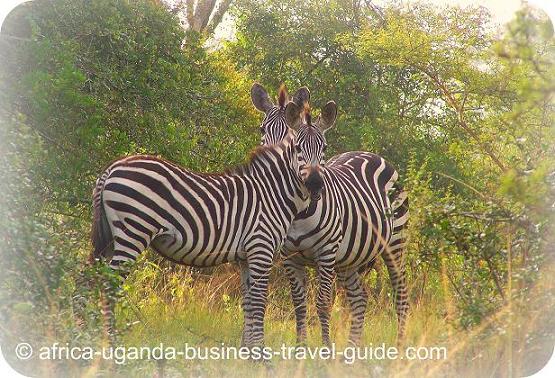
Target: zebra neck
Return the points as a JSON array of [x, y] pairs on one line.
[[277, 173]]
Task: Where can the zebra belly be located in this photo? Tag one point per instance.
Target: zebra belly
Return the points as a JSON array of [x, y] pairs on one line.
[[302, 235], [356, 250], [164, 244], [303, 256], [304, 240], [346, 258]]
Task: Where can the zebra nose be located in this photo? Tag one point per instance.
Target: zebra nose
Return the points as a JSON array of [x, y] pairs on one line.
[[316, 197], [314, 183]]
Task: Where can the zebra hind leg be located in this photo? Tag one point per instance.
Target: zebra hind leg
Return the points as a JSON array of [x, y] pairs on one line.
[[298, 283], [394, 262], [110, 292], [84, 287], [394, 259], [112, 277], [97, 276], [357, 297]]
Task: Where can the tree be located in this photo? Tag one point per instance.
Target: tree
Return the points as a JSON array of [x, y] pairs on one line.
[[202, 16], [465, 115], [83, 83]]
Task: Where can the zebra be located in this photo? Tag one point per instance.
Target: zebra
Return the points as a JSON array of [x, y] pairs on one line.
[[201, 220], [362, 215]]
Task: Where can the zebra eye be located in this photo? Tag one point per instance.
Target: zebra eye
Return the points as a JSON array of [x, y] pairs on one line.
[[298, 148], [262, 129], [325, 148]]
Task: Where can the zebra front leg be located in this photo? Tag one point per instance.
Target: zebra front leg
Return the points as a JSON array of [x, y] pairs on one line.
[[259, 266], [297, 281], [394, 261], [324, 300], [357, 297], [245, 288]]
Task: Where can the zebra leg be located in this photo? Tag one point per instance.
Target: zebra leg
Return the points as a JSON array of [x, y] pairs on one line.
[[357, 297], [126, 248], [394, 260], [297, 281], [259, 266], [109, 291], [84, 286], [245, 288], [324, 300]]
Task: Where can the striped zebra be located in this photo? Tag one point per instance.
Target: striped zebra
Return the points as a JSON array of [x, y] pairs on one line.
[[362, 215], [204, 220]]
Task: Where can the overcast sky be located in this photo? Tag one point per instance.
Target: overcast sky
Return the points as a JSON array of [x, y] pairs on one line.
[[501, 10]]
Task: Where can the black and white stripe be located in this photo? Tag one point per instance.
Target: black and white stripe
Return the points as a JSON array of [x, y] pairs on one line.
[[204, 219], [362, 215]]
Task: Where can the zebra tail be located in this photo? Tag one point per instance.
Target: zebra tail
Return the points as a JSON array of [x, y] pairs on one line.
[[103, 248], [101, 234], [101, 237]]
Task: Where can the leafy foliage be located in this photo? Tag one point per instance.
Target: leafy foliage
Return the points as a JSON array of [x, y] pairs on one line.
[[84, 83], [438, 90], [463, 110]]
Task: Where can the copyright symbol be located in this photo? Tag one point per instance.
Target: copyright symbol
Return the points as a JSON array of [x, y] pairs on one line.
[[24, 351]]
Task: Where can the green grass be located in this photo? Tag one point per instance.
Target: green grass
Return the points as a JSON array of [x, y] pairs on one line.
[[206, 312], [176, 307]]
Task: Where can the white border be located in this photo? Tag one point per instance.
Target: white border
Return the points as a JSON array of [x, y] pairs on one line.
[[548, 371]]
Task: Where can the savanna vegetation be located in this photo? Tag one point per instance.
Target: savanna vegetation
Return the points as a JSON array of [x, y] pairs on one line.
[[464, 109]]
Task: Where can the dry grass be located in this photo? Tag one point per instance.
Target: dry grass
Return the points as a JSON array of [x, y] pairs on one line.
[[176, 306]]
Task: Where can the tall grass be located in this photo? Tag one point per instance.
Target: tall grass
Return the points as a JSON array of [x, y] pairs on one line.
[[165, 304]]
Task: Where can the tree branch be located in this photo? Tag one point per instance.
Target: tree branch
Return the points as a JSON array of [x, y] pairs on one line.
[[202, 14], [189, 12], [218, 16], [459, 110]]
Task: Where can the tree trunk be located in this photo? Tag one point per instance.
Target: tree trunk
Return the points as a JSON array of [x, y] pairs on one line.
[[203, 16]]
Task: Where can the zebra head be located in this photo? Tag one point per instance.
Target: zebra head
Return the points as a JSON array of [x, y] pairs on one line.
[[274, 127], [310, 143]]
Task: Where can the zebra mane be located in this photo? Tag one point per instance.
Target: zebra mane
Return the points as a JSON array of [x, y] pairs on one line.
[[258, 154], [306, 114], [282, 96]]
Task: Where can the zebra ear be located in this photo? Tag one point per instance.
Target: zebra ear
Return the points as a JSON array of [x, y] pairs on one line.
[[302, 96], [260, 98], [283, 96], [327, 117], [293, 115]]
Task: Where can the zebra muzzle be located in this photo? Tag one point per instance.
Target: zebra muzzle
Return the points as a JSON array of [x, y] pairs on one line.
[[314, 183]]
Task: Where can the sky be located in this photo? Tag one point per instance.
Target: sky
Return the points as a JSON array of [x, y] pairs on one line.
[[502, 10]]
